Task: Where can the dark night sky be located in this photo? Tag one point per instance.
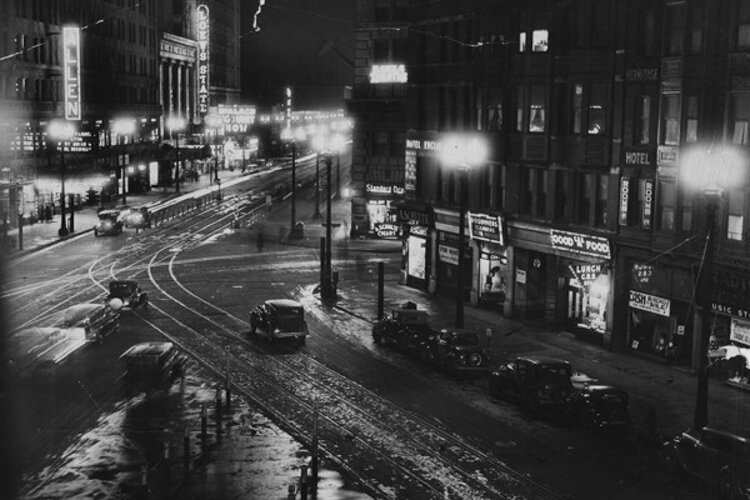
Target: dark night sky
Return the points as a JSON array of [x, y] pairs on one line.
[[306, 44]]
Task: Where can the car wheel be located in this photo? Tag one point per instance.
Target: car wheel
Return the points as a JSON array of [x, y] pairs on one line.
[[96, 233], [476, 359]]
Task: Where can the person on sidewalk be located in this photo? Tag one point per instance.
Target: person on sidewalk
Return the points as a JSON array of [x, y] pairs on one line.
[[259, 241]]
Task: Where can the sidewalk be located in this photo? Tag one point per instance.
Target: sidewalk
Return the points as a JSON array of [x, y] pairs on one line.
[[652, 384], [44, 234]]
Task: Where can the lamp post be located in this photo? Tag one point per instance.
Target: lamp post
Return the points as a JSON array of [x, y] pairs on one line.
[[711, 170], [123, 127], [176, 124], [292, 138], [61, 130], [462, 152], [214, 122]]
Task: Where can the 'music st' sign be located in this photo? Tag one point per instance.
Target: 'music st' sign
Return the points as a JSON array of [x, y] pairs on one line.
[[72, 71]]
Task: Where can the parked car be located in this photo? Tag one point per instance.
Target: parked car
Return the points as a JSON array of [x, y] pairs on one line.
[[602, 408], [151, 365], [128, 292], [405, 327], [719, 457], [455, 351], [109, 223], [539, 383], [279, 319]]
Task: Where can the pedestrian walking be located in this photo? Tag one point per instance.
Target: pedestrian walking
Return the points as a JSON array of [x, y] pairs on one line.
[[259, 241], [48, 213]]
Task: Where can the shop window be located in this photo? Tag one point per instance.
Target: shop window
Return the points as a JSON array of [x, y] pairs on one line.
[[537, 116], [741, 112], [667, 200], [671, 119], [735, 215], [691, 124]]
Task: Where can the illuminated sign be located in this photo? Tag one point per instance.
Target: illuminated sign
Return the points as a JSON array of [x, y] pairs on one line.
[[448, 254], [380, 189], [388, 73], [739, 331], [410, 171], [72, 72], [486, 228], [203, 81], [235, 119], [624, 200], [585, 274], [584, 244], [647, 206], [650, 303], [386, 230]]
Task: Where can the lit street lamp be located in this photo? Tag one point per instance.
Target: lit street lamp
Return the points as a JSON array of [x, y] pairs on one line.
[[176, 124], [462, 152], [327, 146], [710, 169], [123, 127], [61, 131], [214, 122]]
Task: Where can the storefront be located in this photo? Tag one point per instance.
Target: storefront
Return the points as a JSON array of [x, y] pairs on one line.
[[444, 277], [561, 277], [492, 273], [417, 224], [382, 212], [660, 312]]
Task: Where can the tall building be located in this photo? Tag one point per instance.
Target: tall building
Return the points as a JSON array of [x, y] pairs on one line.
[[106, 71], [577, 215]]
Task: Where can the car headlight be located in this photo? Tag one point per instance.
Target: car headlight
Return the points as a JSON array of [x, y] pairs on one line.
[[276, 331]]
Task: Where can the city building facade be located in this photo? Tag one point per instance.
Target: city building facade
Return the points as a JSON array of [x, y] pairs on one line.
[[577, 216]]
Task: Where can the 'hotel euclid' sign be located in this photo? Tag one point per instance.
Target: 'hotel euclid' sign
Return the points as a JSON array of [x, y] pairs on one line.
[[203, 39], [388, 73], [72, 71]]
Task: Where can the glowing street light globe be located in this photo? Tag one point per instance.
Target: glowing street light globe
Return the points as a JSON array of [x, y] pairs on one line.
[[175, 123], [124, 126], [61, 130], [714, 168], [463, 151]]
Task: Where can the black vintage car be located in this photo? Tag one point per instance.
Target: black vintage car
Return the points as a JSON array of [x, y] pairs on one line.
[[539, 383], [602, 408], [455, 351], [405, 327], [151, 365], [128, 292], [718, 457], [279, 319]]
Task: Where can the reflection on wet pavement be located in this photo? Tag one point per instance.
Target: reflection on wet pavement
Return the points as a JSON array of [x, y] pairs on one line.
[[138, 451]]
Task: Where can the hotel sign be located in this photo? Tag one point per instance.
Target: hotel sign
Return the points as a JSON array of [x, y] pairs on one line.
[[72, 72], [486, 228], [203, 47], [650, 303], [582, 244], [388, 73]]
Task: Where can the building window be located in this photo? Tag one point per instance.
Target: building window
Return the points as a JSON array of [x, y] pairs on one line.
[[696, 30], [537, 116], [577, 107], [743, 25], [687, 213], [643, 119], [691, 123], [735, 215], [671, 119], [675, 25], [741, 111], [520, 103], [527, 197], [540, 40], [540, 191], [522, 42], [586, 198], [667, 201], [596, 110], [561, 197], [602, 194], [380, 144], [646, 33]]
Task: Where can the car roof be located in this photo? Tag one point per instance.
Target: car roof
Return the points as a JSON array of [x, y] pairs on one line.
[[109, 212], [147, 349], [83, 308], [283, 303], [601, 388]]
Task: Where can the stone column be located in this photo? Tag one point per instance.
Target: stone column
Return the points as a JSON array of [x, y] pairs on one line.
[[188, 92], [179, 89], [171, 87]]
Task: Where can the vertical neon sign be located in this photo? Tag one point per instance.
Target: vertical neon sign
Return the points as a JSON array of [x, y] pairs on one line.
[[72, 71], [203, 38]]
